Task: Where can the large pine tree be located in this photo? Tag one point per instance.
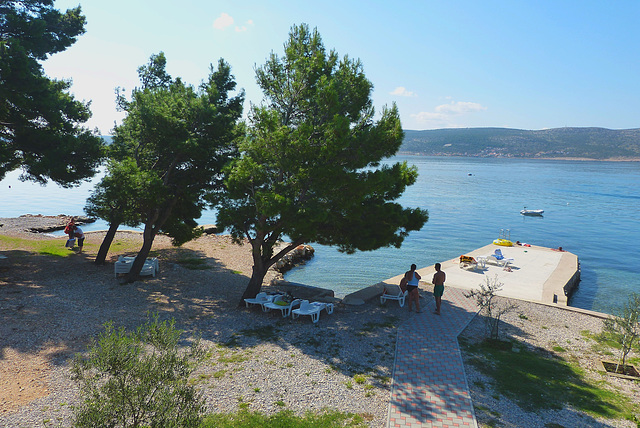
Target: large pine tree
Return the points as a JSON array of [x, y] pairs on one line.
[[310, 169], [169, 151], [40, 122]]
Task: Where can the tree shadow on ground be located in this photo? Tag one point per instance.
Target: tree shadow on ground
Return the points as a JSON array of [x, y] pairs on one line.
[[48, 301]]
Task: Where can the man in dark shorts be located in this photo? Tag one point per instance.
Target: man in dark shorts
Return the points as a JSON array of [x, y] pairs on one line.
[[412, 278], [438, 286]]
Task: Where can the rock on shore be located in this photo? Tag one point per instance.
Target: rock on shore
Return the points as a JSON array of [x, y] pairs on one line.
[[38, 223]]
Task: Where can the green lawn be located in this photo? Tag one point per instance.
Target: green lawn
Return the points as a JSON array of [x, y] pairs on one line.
[[537, 380]]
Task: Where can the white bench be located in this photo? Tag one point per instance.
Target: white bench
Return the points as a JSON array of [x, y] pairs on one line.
[[123, 265]]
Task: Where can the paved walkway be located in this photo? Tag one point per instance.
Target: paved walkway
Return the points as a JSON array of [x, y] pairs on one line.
[[429, 383]]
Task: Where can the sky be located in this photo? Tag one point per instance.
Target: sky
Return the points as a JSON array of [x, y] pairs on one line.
[[445, 63]]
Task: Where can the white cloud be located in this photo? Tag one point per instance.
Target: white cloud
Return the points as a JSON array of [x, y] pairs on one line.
[[223, 21], [459, 107], [443, 115], [425, 116], [240, 29], [402, 92], [244, 27]]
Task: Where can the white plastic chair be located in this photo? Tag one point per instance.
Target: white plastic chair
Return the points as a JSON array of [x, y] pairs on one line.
[[312, 309], [499, 259], [123, 265], [285, 309], [393, 292], [261, 299], [468, 262]]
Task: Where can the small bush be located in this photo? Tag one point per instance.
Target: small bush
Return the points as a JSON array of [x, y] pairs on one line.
[[134, 379]]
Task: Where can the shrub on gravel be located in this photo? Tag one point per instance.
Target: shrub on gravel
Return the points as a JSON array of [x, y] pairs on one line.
[[141, 378]]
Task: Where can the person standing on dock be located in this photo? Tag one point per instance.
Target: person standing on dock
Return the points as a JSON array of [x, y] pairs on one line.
[[438, 286], [412, 279]]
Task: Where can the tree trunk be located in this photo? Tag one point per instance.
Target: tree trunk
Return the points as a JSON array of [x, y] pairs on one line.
[[106, 244], [255, 284], [261, 265], [148, 237]]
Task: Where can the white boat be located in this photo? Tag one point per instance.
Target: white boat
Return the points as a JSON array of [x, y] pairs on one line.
[[525, 211]]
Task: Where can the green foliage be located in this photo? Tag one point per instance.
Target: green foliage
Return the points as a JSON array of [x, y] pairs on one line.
[[45, 247], [265, 333], [114, 198], [387, 322], [178, 138], [193, 263], [167, 155], [485, 299], [536, 381], [285, 418], [624, 326], [40, 121], [310, 164], [360, 379], [138, 379]]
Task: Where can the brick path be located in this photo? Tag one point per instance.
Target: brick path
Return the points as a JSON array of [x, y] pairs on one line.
[[429, 384]]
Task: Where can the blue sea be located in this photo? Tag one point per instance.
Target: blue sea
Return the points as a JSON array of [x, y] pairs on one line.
[[591, 209]]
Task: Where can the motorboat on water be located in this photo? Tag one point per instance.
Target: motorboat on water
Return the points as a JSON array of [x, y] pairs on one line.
[[525, 211]]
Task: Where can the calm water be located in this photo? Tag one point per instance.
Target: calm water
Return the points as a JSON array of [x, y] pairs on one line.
[[591, 209]]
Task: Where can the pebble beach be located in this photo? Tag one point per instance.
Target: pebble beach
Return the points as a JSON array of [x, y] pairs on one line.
[[51, 307]]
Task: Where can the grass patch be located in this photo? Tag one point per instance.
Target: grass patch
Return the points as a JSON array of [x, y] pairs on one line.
[[267, 333], [235, 357], [47, 247], [219, 374], [488, 411], [193, 263], [360, 379], [56, 248], [285, 418], [538, 381], [388, 322]]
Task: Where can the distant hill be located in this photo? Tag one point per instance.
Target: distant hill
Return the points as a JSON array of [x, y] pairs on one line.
[[589, 143]]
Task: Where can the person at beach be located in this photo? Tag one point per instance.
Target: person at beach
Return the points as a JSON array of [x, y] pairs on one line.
[[70, 231], [75, 232], [438, 286], [412, 278], [80, 235]]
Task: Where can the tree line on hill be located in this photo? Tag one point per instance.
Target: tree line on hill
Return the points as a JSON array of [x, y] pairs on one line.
[[587, 143]]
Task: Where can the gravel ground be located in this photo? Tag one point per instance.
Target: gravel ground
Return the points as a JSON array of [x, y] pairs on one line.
[[51, 307]]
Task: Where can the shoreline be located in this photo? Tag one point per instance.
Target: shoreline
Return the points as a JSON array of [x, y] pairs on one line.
[[615, 159]]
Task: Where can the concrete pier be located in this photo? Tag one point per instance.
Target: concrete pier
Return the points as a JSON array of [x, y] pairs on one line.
[[537, 274]]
